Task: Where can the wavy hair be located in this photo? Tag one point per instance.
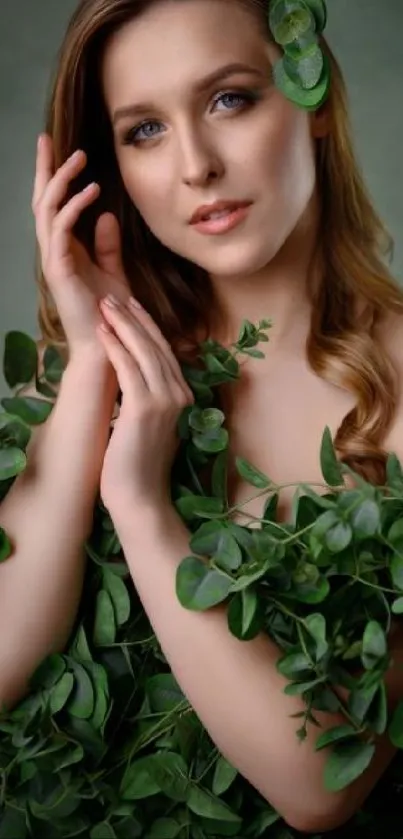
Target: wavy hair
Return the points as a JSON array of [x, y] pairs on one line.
[[356, 289]]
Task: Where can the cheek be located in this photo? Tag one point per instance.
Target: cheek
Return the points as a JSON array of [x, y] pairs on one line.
[[285, 152], [148, 186]]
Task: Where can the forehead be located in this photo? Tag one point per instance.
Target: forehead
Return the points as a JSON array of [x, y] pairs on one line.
[[177, 41]]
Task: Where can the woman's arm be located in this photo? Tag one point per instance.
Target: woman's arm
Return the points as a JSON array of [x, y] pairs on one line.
[[47, 515], [234, 686]]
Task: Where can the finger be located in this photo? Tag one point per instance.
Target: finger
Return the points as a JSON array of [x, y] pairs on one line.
[[128, 372], [107, 244], [60, 239], [55, 192], [155, 333], [153, 364], [44, 167]]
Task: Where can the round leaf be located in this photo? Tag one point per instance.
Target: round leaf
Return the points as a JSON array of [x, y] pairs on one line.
[[346, 762], [199, 587]]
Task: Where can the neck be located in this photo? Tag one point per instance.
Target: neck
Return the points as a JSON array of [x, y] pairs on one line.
[[279, 292]]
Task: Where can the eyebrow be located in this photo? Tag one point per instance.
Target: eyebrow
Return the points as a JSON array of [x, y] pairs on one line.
[[199, 87]]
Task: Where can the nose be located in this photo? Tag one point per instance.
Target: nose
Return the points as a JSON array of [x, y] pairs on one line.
[[200, 161]]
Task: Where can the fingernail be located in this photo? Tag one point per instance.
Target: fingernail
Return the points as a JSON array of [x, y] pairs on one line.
[[76, 155], [134, 303], [111, 300]]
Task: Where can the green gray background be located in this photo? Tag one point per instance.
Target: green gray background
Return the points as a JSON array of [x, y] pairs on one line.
[[365, 35]]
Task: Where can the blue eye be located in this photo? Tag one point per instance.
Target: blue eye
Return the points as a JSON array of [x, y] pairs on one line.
[[242, 100], [232, 95], [134, 135]]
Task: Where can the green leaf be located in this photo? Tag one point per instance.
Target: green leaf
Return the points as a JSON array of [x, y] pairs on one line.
[[346, 762], [103, 830], [104, 626], [213, 538], [82, 702], [170, 772], [394, 472], [53, 365], [201, 802], [195, 506], [295, 665], [330, 466], [395, 729], [119, 595], [397, 606], [252, 475], [316, 626], [224, 776], [20, 359], [165, 828], [338, 537], [5, 544], [374, 646], [137, 782], [30, 409], [245, 614], [61, 692], [334, 735], [198, 587], [164, 693], [289, 19], [12, 462], [396, 570], [366, 519]]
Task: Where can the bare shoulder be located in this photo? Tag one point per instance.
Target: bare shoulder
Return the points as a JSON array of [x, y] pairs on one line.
[[390, 333]]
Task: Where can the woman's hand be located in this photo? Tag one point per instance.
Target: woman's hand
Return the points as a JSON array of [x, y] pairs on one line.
[[138, 461], [75, 281]]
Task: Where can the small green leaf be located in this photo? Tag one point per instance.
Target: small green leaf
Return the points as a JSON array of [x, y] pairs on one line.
[[103, 830], [334, 735], [82, 702], [397, 605], [12, 462], [20, 358], [252, 475], [316, 626], [119, 595], [366, 519], [203, 803], [5, 545], [346, 762], [104, 626], [164, 828], [53, 364], [331, 468], [30, 409], [61, 692], [396, 570], [198, 587], [374, 646], [338, 537], [224, 776], [137, 782]]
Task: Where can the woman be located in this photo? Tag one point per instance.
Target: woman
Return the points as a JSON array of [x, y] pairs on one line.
[[295, 240]]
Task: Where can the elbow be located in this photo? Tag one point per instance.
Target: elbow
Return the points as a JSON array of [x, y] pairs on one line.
[[316, 821]]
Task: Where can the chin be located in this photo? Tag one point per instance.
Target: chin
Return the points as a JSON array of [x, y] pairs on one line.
[[235, 260]]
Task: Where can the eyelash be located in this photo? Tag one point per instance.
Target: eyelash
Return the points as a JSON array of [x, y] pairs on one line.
[[249, 97]]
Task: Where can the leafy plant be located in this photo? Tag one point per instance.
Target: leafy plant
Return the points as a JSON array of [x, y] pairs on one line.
[[106, 745]]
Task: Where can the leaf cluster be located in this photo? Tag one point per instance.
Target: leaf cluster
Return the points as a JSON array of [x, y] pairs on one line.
[[106, 744], [303, 72]]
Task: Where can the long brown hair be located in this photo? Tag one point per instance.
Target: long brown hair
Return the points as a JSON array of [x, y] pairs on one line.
[[341, 348]]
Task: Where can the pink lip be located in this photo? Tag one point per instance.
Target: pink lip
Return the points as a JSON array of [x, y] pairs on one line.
[[216, 226]]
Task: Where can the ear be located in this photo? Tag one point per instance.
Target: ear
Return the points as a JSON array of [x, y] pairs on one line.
[[320, 122]]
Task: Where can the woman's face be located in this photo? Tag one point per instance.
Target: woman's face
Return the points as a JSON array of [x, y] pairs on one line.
[[182, 142]]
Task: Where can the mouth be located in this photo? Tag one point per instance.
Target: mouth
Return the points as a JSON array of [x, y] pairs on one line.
[[221, 220]]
